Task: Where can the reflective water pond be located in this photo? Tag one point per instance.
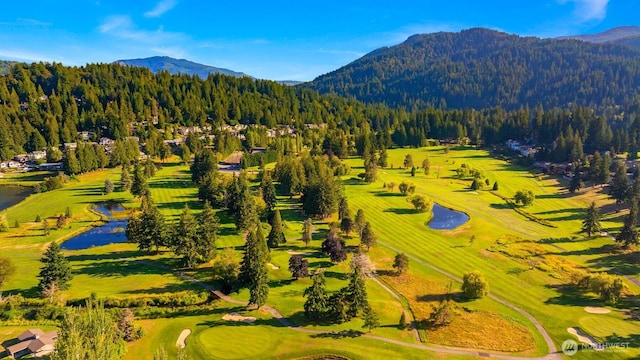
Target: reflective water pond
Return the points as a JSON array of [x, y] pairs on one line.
[[11, 195], [446, 219], [110, 232]]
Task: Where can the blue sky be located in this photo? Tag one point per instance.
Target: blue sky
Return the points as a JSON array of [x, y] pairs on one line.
[[278, 40]]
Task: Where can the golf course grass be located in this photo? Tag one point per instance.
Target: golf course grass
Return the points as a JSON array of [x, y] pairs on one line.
[[527, 263]]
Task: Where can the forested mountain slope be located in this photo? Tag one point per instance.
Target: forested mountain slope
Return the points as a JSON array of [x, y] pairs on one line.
[[479, 68]]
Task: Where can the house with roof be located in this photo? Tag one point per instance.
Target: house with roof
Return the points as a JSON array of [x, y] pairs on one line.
[[34, 342]]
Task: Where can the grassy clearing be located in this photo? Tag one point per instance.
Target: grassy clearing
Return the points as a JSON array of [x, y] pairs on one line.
[[214, 338], [538, 290], [504, 243]]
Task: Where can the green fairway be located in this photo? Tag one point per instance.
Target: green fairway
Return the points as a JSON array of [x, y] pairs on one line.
[[503, 246]]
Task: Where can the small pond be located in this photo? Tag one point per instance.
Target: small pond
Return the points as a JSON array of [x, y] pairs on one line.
[[11, 195], [446, 219], [109, 233]]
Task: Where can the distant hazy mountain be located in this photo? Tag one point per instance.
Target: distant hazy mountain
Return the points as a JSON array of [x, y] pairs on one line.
[[289, 82], [625, 35], [5, 66], [178, 66], [479, 68]]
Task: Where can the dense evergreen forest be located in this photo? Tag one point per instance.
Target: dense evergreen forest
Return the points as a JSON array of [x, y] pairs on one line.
[[46, 105], [480, 68]]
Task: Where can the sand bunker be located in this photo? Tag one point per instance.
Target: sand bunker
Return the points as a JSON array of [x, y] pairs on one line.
[[237, 317], [181, 339], [584, 338], [273, 266], [596, 310]]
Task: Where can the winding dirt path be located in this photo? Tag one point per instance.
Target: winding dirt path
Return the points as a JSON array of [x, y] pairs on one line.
[[552, 355]]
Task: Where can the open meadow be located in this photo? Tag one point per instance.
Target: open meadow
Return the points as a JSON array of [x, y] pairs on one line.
[[527, 256]]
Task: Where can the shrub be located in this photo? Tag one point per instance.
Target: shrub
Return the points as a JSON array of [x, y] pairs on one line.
[[421, 203], [474, 286]]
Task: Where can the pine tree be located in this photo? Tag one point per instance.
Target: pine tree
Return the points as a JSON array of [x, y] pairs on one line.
[[343, 208], [346, 224], [276, 235], [139, 187], [45, 227], [356, 294], [208, 228], [402, 324], [125, 179], [620, 184], [316, 294], [408, 161], [371, 319], [575, 184], [591, 222], [629, 233], [61, 222], [604, 174], [253, 271], [55, 269], [367, 237], [245, 212], [370, 170], [360, 221], [268, 191], [147, 228], [108, 186], [185, 239], [70, 163], [307, 230], [426, 166]]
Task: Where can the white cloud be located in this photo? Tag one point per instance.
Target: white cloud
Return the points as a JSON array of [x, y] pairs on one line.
[[161, 7], [587, 10], [122, 27], [174, 52], [22, 55]]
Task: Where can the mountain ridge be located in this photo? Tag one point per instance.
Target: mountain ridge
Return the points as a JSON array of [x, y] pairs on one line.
[[614, 35], [178, 66], [479, 68]]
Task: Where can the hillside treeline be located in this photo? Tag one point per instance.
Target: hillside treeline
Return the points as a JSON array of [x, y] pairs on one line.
[[46, 105]]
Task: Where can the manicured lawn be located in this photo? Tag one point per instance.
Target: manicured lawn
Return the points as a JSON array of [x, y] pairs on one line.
[[401, 228], [503, 246], [214, 338]]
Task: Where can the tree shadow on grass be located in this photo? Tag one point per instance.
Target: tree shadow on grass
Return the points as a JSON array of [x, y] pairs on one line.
[[501, 206], [344, 334], [280, 283], [569, 294], [257, 322], [354, 181], [320, 264], [562, 240], [386, 194], [336, 275], [401, 211], [107, 256], [167, 289], [30, 293]]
